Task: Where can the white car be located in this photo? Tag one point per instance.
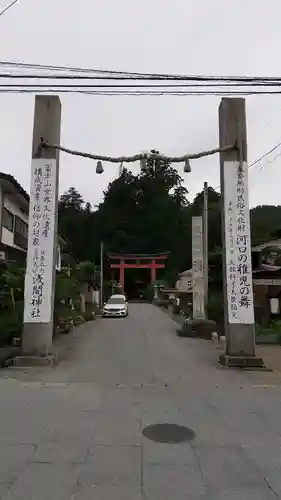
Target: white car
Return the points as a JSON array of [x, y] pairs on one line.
[[116, 306], [119, 296]]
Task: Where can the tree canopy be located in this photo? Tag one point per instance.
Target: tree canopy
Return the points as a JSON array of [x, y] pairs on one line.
[[149, 212]]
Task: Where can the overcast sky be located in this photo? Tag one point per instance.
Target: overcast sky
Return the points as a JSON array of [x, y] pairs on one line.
[[218, 37]]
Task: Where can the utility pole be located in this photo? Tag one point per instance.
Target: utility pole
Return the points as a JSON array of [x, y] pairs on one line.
[[101, 274], [205, 248], [236, 238], [40, 276]]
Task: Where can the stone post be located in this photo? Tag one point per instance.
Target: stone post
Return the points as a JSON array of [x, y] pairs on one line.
[[42, 238]]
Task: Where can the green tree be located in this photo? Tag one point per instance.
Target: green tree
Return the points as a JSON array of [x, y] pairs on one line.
[[265, 223], [86, 272], [149, 212], [145, 212], [88, 207], [11, 301], [78, 225], [67, 287], [72, 199]]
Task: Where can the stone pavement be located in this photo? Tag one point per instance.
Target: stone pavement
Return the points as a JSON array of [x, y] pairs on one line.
[[75, 432]]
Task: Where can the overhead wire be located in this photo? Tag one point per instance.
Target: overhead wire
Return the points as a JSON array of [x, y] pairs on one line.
[[268, 162], [258, 160], [147, 86], [127, 86], [70, 69], [201, 83], [265, 155], [102, 85], [8, 7], [123, 92]]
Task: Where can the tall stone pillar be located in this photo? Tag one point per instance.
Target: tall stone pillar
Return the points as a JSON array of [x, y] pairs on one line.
[[42, 236]]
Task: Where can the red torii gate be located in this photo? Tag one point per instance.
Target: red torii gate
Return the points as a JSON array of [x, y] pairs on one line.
[[147, 261]]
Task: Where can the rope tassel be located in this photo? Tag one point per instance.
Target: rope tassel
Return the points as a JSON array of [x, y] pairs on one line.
[[187, 167], [99, 169]]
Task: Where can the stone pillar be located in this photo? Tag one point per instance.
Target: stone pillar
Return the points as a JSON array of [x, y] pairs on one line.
[[42, 239], [236, 238]]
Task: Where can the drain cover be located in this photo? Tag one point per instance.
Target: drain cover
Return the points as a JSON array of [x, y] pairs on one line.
[[168, 433]]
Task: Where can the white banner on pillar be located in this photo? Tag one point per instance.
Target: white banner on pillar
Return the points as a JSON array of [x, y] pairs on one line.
[[197, 268], [238, 243], [41, 237]]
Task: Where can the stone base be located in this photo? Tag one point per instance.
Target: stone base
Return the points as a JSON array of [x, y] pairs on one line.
[[198, 329], [32, 361], [241, 361]]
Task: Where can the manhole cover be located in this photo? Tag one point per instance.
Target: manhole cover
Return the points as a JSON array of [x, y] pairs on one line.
[[168, 433]]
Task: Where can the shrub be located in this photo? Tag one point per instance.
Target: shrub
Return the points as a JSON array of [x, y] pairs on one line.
[[149, 293], [10, 325], [215, 310], [64, 326], [274, 329], [89, 316], [62, 319], [78, 319], [176, 309]]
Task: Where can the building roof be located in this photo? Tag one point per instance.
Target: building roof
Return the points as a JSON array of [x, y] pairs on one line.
[[271, 243], [67, 259], [9, 179], [63, 243], [186, 274]]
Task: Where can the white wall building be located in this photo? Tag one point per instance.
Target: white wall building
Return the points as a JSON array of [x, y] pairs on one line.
[[14, 206], [14, 211]]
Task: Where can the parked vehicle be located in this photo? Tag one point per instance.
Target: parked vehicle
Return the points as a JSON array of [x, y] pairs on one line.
[[116, 306], [119, 296]]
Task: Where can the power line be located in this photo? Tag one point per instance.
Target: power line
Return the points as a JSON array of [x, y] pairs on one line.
[[101, 85], [197, 83], [261, 158], [265, 155], [201, 84], [139, 74], [76, 69], [8, 7], [269, 161], [117, 86], [12, 89]]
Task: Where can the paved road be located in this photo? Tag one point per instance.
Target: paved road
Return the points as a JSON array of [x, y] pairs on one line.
[[75, 432]]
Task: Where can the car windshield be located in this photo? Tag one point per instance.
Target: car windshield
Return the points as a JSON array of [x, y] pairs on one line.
[[116, 300]]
